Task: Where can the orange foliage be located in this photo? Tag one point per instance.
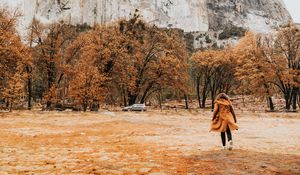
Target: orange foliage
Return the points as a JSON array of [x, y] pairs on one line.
[[51, 42], [137, 59], [213, 70], [88, 85], [14, 56], [131, 61], [271, 61], [253, 71]]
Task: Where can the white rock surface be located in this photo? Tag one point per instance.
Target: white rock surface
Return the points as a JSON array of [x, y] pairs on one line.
[[190, 15]]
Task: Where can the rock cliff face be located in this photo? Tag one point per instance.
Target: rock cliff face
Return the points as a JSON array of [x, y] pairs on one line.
[[257, 15], [189, 15]]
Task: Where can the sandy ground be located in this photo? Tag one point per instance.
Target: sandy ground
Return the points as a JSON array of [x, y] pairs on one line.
[[154, 143]]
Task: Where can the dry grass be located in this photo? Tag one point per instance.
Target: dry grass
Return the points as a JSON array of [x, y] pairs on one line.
[[166, 142]]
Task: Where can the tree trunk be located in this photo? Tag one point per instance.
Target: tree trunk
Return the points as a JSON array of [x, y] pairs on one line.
[[29, 86], [160, 100], [212, 100], [124, 97], [131, 99], [243, 97], [271, 104], [10, 106], [95, 106], [60, 78], [124, 100], [294, 102], [198, 93], [270, 100], [143, 99], [48, 104], [7, 103], [186, 101], [203, 102], [84, 105], [212, 103], [50, 80], [287, 102], [204, 97], [298, 101], [205, 91], [145, 95]]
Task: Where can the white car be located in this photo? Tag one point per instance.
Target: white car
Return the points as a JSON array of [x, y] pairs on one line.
[[135, 107]]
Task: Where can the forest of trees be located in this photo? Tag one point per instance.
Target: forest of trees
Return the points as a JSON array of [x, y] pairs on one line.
[[130, 61]]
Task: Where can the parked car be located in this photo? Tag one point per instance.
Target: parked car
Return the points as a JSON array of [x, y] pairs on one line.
[[127, 108], [135, 107]]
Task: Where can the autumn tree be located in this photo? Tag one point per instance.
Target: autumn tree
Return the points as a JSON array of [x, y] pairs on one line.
[[88, 85], [14, 56], [159, 57], [287, 59], [201, 72], [253, 69], [139, 59], [50, 43], [223, 78], [269, 61], [213, 72], [14, 91]]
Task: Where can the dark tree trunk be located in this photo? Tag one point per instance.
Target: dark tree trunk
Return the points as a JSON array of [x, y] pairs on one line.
[[95, 106], [287, 102], [203, 102], [205, 91], [84, 105], [243, 96], [124, 100], [48, 104], [294, 102], [50, 80], [131, 99], [124, 97], [212, 102], [160, 100], [270, 100], [10, 106], [60, 78], [29, 88], [7, 103], [204, 96], [213, 91], [198, 93], [271, 104], [212, 99], [186, 101], [143, 99], [298, 101], [146, 92]]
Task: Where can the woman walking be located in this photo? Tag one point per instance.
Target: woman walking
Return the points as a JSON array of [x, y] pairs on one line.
[[224, 119]]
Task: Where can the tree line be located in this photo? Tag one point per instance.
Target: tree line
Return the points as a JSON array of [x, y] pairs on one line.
[[131, 61]]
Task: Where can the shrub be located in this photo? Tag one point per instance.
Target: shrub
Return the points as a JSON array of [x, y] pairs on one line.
[[207, 39], [232, 31]]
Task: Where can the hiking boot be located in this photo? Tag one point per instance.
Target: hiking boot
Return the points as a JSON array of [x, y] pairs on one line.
[[230, 145]]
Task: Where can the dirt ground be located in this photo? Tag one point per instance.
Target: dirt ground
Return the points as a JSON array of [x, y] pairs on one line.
[[154, 143]]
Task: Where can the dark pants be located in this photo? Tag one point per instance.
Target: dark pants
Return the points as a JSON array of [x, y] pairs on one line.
[[229, 136]]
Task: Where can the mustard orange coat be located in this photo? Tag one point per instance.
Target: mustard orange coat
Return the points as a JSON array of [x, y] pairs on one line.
[[223, 117]]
